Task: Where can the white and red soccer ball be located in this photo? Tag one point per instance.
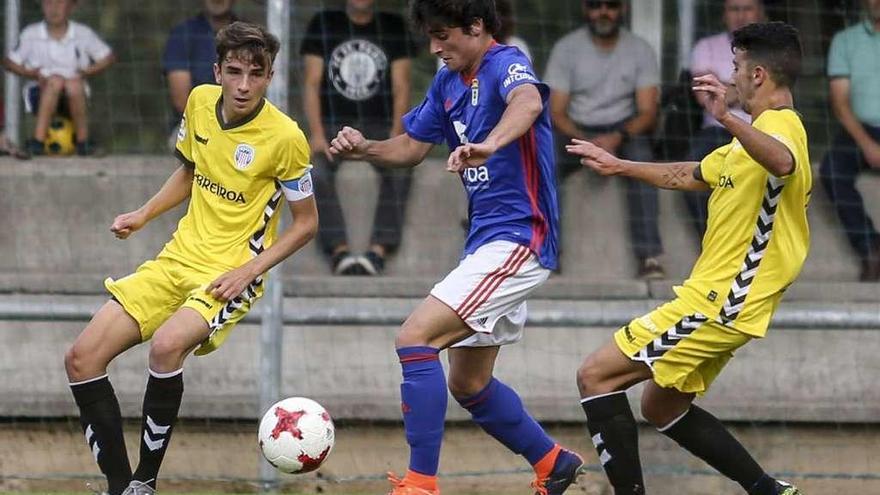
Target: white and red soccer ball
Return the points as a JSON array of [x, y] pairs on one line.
[[296, 435]]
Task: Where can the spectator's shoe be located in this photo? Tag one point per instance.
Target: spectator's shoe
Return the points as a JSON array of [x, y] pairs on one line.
[[372, 263], [401, 487], [35, 147], [139, 488], [345, 263], [567, 467], [871, 266], [85, 148], [651, 269], [786, 488]]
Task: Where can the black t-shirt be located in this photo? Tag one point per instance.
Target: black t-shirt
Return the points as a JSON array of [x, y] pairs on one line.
[[357, 63]]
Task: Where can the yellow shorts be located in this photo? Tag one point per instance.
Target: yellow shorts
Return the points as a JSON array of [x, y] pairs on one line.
[[684, 349], [158, 288]]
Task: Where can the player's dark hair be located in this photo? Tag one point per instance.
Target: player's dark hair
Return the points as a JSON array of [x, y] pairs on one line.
[[249, 40], [428, 15], [773, 45]]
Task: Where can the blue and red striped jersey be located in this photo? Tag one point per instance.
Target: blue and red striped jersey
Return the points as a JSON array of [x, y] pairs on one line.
[[512, 196]]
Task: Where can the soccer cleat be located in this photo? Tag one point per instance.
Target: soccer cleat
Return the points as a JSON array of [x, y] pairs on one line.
[[400, 487], [566, 469], [786, 488], [139, 488]]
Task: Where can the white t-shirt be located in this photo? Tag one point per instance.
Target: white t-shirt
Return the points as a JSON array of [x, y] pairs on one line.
[[79, 48]]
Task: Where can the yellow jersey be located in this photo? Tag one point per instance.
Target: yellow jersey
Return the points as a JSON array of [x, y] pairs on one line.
[[757, 235], [241, 171]]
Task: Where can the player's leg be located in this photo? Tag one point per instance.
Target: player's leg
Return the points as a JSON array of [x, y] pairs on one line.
[[75, 90], [110, 332], [50, 93], [500, 412], [172, 342], [431, 327], [704, 436], [603, 379]]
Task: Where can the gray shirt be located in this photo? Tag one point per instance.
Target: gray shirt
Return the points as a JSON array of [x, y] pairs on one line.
[[602, 84]]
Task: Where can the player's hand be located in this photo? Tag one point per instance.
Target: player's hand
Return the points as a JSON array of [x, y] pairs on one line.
[[469, 155], [609, 141], [319, 144], [716, 95], [126, 224], [601, 161], [231, 284], [872, 155], [349, 143]]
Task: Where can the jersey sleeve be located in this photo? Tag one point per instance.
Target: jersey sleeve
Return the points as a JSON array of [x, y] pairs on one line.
[[783, 127], [293, 167], [183, 149], [514, 71], [710, 167], [425, 122]]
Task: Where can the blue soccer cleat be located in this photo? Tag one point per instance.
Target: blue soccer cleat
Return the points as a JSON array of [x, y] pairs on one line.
[[566, 469]]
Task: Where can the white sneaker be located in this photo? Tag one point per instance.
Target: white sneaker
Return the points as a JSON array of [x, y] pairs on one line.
[[139, 488]]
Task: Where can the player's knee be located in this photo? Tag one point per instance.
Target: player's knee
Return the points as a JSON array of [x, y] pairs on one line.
[[77, 363], [408, 337], [591, 377], [54, 83], [655, 413], [166, 351], [462, 387]]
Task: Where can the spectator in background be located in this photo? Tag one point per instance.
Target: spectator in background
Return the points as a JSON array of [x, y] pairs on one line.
[[604, 83], [712, 55], [190, 53], [357, 73], [7, 147], [854, 71], [59, 54]]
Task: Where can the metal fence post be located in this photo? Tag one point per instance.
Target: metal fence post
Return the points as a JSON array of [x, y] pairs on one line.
[[278, 23], [12, 101]]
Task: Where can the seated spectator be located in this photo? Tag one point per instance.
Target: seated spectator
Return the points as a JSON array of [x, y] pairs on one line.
[[190, 53], [357, 73], [59, 54], [712, 55], [604, 88], [855, 99]]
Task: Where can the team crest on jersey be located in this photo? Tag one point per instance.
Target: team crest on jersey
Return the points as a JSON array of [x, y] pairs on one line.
[[475, 92], [305, 184], [244, 156]]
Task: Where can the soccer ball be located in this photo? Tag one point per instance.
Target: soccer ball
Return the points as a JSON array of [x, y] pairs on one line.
[[296, 434], [59, 137]]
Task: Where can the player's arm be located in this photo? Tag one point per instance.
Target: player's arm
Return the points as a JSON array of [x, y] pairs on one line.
[[400, 87], [524, 105], [304, 227], [401, 151], [769, 152], [683, 176], [840, 104], [177, 188]]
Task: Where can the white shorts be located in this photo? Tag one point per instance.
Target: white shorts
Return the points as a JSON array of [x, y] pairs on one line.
[[488, 291]]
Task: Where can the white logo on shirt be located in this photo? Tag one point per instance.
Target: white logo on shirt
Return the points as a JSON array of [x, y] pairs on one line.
[[517, 72], [357, 69], [181, 129], [244, 156], [460, 128]]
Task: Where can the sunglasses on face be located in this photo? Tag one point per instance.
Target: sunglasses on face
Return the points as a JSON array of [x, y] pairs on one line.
[[608, 4]]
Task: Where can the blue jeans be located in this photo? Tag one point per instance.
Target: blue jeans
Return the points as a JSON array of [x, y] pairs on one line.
[[838, 172], [643, 214]]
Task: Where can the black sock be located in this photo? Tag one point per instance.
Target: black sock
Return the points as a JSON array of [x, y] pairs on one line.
[[616, 437], [704, 436], [101, 422], [161, 403]]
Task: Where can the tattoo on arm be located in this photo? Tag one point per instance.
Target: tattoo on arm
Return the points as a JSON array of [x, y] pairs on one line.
[[674, 176]]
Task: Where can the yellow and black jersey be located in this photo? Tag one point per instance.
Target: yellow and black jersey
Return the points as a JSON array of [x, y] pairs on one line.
[[241, 171], [757, 236]]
